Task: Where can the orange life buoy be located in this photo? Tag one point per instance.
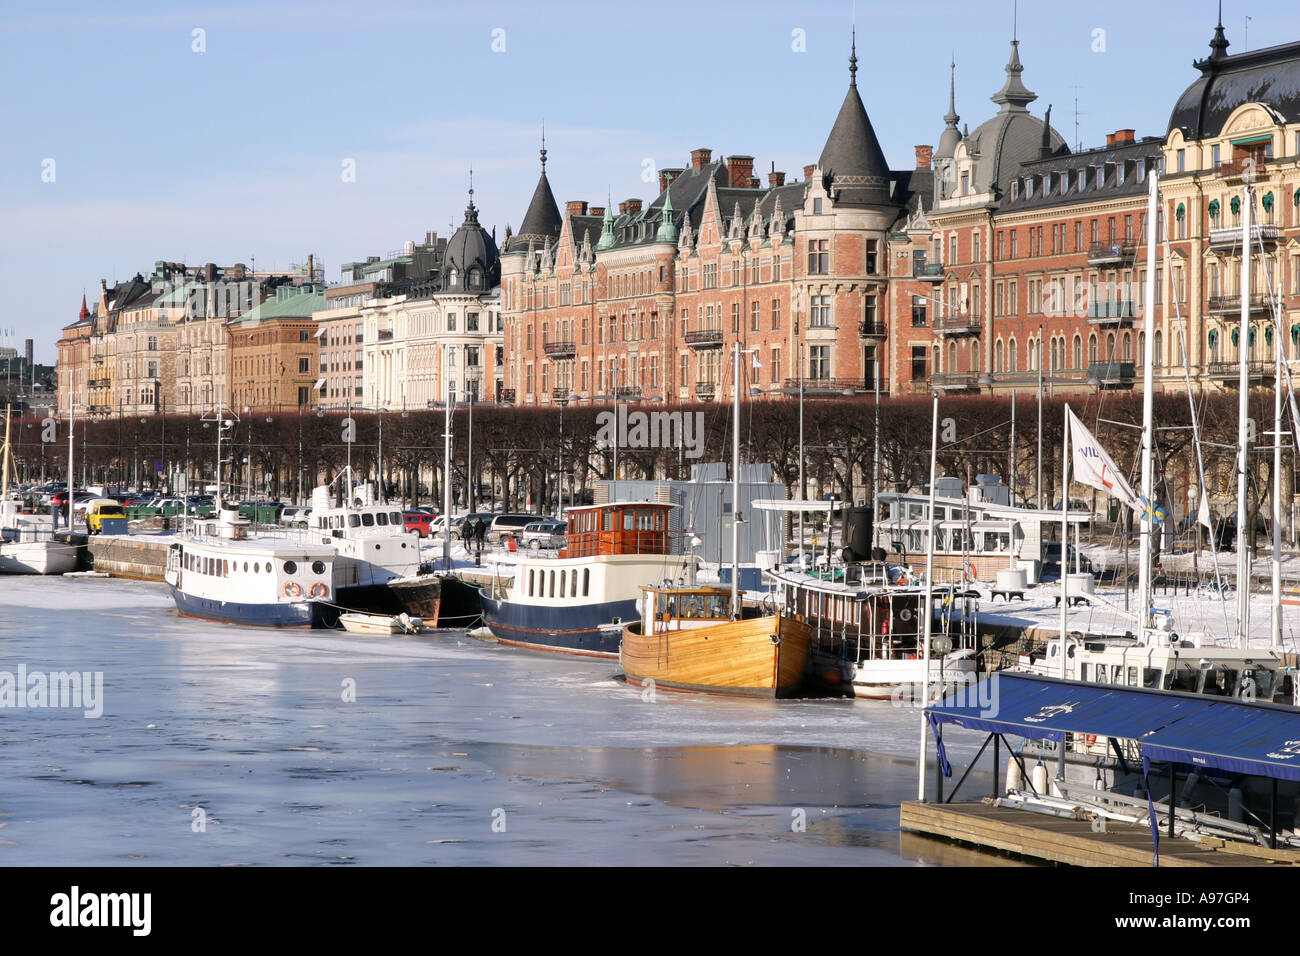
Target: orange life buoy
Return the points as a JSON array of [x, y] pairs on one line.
[[292, 589], [974, 576], [1088, 739], [318, 590]]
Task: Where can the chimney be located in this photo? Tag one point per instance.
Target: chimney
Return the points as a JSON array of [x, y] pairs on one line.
[[633, 205], [666, 177], [775, 179], [596, 211], [210, 272], [753, 182], [27, 351], [1110, 139], [701, 158], [311, 266], [575, 207], [1124, 135], [741, 170], [622, 208], [808, 171], [923, 156]]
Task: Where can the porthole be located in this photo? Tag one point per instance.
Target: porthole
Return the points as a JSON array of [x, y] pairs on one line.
[[290, 567], [318, 567]]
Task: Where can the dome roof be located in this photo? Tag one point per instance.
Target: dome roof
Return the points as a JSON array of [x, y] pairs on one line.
[[471, 263], [1270, 76], [1012, 136]]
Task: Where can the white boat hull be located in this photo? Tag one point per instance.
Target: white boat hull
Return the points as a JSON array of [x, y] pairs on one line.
[[901, 679], [37, 557]]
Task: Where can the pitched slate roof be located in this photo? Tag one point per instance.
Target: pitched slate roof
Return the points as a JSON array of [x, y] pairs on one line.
[[852, 157], [542, 220]]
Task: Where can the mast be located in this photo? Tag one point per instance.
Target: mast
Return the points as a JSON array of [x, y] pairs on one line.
[[6, 454], [1275, 629], [1244, 534], [1148, 430], [927, 625], [1065, 536], [735, 487], [446, 487], [72, 415]]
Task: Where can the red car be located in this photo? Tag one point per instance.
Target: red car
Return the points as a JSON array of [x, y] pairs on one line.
[[421, 522]]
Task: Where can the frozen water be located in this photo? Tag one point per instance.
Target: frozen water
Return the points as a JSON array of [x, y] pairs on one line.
[[453, 752]]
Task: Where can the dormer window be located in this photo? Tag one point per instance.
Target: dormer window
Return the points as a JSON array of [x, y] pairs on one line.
[[1047, 184], [1015, 189], [1029, 187], [1141, 170], [1119, 173]]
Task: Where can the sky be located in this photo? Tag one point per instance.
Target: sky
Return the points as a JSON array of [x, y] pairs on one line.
[[222, 132]]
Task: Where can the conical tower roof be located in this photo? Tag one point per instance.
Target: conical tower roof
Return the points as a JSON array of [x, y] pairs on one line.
[[852, 157], [542, 220]]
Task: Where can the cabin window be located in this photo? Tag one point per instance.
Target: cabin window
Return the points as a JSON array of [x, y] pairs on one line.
[[1220, 681], [530, 582], [607, 520], [245, 567], [1132, 677], [290, 567], [368, 519], [1101, 673], [318, 567], [257, 567], [1117, 673], [1083, 672], [394, 517], [1184, 679], [573, 583], [1151, 677], [381, 519], [354, 521], [268, 567], [563, 582], [552, 593], [629, 515], [586, 581]]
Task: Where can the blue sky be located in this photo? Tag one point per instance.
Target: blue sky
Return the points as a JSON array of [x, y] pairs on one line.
[[236, 153]]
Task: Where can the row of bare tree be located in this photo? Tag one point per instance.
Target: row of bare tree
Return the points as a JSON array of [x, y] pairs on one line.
[[528, 457]]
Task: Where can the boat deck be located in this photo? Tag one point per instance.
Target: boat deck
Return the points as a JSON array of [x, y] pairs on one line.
[[1073, 842]]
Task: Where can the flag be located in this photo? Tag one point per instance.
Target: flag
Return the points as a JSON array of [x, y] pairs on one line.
[[1094, 467], [1203, 512]]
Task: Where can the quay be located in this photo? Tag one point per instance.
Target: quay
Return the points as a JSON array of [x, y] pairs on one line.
[[1072, 841]]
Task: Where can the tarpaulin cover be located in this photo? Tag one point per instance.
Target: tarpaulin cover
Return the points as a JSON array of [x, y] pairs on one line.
[[1238, 736]]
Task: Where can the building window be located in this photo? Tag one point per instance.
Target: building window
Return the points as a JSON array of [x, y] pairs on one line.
[[952, 250], [304, 365], [819, 314], [776, 314], [1182, 160], [756, 316], [871, 257], [819, 258], [451, 321], [918, 363], [819, 362]]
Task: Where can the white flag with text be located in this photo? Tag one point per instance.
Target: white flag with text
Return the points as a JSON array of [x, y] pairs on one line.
[[1094, 467]]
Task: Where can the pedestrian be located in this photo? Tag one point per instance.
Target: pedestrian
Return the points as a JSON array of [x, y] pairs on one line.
[[480, 532]]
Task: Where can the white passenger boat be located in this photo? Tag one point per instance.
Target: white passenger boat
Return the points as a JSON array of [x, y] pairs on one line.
[[27, 541], [219, 573]]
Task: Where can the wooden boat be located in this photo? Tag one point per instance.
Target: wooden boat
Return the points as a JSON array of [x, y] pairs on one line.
[[687, 640], [357, 623]]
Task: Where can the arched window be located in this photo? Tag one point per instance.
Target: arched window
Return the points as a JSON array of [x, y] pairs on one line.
[[1078, 352], [1110, 347], [1128, 347], [1180, 215], [997, 356], [1159, 340], [1212, 340], [1092, 347], [1214, 212], [1012, 364], [952, 357]]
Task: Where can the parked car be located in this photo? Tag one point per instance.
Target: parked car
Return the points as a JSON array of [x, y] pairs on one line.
[[542, 535], [435, 528], [79, 498], [471, 519], [104, 515], [420, 521], [1052, 560], [295, 516], [507, 525]]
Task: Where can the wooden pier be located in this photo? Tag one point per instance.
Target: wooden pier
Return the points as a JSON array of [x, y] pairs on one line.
[[1073, 842]]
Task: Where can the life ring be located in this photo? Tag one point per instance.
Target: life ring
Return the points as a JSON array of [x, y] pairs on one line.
[[1088, 739], [974, 576], [293, 590], [318, 590]]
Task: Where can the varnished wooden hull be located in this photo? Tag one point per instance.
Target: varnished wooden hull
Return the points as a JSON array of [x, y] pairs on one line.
[[738, 658]]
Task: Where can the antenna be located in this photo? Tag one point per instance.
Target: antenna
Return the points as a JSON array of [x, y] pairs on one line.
[[1245, 36], [1078, 144], [1015, 20]]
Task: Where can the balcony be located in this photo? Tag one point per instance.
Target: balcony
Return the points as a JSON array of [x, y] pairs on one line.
[[100, 382], [631, 392], [1229, 237], [385, 335], [826, 386], [1101, 253], [1114, 312], [955, 381], [704, 339], [705, 391], [1231, 304], [959, 325], [930, 272], [1246, 169], [559, 350], [871, 329], [1111, 374], [1229, 373]]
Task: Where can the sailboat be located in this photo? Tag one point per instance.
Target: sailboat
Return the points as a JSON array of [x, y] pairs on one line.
[[700, 638], [27, 542], [1155, 656]]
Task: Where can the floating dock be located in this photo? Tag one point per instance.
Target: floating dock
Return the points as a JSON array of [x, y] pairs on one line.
[[1073, 842]]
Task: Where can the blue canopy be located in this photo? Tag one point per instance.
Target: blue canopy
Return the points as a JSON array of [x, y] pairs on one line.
[[1046, 708], [1238, 736]]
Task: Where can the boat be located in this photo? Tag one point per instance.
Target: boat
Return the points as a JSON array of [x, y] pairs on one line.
[[377, 569], [577, 601], [28, 544], [219, 573], [356, 623], [688, 640], [866, 624]]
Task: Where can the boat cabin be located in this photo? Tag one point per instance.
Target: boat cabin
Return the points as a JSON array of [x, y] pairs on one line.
[[678, 608], [620, 527]]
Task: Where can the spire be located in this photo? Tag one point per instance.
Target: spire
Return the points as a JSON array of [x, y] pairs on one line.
[[852, 157], [951, 136], [607, 239], [542, 220], [543, 147], [85, 312], [1014, 97], [853, 58], [471, 214], [1219, 42], [667, 231]]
